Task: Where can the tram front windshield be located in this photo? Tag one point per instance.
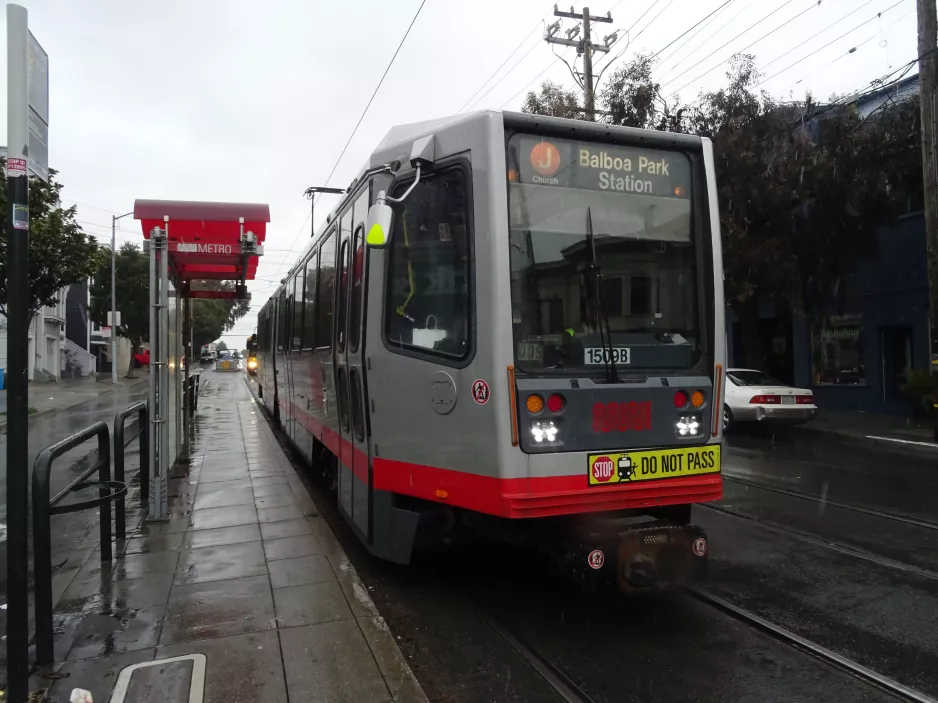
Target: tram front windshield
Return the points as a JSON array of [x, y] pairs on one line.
[[603, 262]]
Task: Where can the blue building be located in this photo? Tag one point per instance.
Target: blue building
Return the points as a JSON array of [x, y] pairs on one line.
[[859, 355]]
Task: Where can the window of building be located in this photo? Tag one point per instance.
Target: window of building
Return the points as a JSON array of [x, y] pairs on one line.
[[640, 295], [309, 315], [298, 288], [326, 301], [837, 352], [612, 296], [428, 273]]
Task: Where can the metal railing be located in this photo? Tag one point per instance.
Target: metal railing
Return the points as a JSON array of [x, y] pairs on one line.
[[193, 390], [143, 427], [44, 508]]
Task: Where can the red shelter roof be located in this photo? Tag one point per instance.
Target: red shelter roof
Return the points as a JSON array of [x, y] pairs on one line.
[[205, 237]]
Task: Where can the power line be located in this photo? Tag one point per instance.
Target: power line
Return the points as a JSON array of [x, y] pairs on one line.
[[507, 59], [657, 53], [702, 27], [362, 117], [748, 29], [651, 22], [804, 58], [495, 84], [609, 63]]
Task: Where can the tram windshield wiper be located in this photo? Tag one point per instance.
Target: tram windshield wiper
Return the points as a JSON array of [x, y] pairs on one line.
[[605, 333]]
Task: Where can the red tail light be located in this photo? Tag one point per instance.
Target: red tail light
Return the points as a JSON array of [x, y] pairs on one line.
[[764, 400], [805, 400], [680, 399], [555, 403]]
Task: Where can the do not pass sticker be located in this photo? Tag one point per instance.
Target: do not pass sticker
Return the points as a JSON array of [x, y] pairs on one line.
[[596, 559], [480, 391]]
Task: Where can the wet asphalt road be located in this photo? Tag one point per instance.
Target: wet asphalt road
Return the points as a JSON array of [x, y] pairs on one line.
[[863, 586], [69, 529]]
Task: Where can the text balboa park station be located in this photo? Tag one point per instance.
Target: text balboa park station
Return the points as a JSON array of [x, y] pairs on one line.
[[608, 180]]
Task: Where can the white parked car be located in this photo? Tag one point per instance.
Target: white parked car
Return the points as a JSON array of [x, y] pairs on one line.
[[754, 396]]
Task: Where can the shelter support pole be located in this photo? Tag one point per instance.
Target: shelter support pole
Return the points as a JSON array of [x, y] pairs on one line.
[[187, 351], [159, 377]]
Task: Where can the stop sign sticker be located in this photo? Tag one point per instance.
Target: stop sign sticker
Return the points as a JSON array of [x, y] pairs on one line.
[[604, 469]]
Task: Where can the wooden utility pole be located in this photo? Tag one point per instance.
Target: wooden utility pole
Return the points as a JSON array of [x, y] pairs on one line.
[[583, 46], [928, 82]]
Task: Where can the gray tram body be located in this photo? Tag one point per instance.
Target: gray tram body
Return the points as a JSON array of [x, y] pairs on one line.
[[416, 430]]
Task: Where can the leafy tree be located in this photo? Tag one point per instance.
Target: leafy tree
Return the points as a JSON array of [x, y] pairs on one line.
[[60, 253], [632, 98], [209, 317], [553, 100], [222, 346], [133, 295]]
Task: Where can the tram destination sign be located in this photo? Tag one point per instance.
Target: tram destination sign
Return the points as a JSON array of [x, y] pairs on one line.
[[595, 166]]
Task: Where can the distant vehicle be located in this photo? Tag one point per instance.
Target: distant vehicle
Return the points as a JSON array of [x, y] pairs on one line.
[[142, 359], [208, 357], [754, 396], [235, 354]]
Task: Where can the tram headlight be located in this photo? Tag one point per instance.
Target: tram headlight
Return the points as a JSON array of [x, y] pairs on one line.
[[544, 432], [688, 426]]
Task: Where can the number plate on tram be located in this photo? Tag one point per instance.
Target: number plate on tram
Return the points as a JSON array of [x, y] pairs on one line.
[[628, 467], [598, 355]]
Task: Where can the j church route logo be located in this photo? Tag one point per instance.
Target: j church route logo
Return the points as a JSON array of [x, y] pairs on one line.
[[545, 158]]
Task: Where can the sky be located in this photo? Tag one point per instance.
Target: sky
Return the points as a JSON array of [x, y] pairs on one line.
[[221, 100]]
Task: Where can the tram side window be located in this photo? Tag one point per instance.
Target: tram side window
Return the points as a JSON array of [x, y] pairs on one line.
[[309, 316], [281, 321], [326, 301], [429, 271], [358, 273], [298, 309]]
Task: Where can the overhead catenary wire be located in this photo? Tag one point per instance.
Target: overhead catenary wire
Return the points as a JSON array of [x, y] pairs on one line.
[[360, 119], [725, 44], [832, 41], [751, 44], [817, 34], [853, 49]]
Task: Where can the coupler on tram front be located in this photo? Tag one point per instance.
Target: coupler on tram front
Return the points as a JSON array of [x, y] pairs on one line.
[[657, 555]]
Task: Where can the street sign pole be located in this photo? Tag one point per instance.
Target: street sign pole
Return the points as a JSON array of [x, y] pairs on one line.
[[17, 224]]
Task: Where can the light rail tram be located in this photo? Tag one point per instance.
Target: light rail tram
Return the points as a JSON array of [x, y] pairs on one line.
[[513, 325]]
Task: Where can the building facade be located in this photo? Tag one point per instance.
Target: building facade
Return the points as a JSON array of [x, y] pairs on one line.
[[859, 353]]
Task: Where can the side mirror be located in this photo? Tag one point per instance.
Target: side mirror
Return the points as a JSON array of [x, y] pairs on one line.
[[378, 227]]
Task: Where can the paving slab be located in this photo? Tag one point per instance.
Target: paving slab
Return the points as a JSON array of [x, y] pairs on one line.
[[244, 572], [330, 662]]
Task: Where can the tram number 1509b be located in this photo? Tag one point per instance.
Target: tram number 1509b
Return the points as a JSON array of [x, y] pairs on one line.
[[616, 355]]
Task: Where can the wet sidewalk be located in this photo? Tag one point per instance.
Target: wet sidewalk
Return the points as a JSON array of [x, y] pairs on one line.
[[245, 579], [893, 431]]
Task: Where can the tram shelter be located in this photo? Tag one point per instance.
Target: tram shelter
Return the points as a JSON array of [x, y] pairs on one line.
[[188, 242]]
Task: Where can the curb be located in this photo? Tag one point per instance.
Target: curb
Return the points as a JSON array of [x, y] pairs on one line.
[[891, 444], [51, 411], [391, 662]]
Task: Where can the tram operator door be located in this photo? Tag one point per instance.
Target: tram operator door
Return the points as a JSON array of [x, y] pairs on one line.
[[354, 470]]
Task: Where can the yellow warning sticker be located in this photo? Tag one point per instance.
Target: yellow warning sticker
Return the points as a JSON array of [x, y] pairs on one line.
[[628, 467]]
